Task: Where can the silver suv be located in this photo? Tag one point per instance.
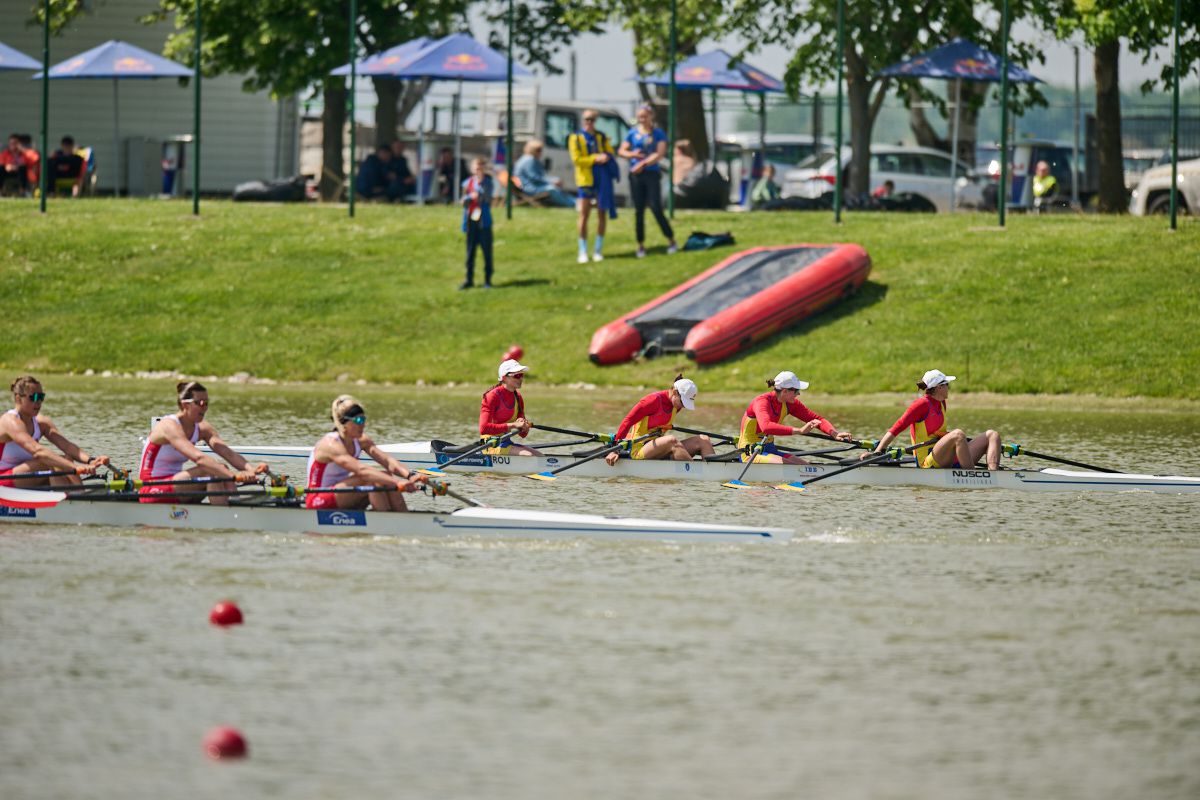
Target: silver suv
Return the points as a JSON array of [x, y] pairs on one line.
[[921, 172]]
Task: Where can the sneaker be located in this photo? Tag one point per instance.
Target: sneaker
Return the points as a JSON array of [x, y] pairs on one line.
[[465, 285], [597, 257], [672, 249], [641, 252], [487, 285], [583, 259]]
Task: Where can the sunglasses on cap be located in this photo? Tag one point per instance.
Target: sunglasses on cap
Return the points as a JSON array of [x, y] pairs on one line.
[[358, 419], [35, 397]]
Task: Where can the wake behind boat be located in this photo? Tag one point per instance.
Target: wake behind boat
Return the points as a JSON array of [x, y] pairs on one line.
[[432, 454]]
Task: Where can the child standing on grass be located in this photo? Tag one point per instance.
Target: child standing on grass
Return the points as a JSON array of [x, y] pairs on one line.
[[477, 193]]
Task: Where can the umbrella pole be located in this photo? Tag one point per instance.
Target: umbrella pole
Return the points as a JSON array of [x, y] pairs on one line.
[[671, 119], [454, 117], [712, 97], [954, 140], [116, 141], [45, 101], [421, 155]]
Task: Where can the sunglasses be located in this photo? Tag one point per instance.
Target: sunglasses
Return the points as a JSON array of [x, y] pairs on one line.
[[200, 403], [361, 419], [589, 119], [36, 397]]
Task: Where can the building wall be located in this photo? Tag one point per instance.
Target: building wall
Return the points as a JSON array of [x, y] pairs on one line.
[[244, 136]]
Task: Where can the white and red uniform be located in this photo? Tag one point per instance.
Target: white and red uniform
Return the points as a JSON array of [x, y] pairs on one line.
[[161, 462], [12, 455], [326, 476]]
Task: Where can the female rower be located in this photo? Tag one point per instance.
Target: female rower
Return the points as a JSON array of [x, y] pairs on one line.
[[502, 412], [334, 464], [21, 451], [763, 420], [655, 413], [172, 443], [926, 419]]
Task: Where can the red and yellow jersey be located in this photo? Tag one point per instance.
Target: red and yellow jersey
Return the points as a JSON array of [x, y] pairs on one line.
[[763, 420], [925, 419], [654, 413], [499, 407]]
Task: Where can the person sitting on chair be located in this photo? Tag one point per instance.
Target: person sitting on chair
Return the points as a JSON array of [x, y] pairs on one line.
[[1045, 187], [766, 189], [12, 167], [401, 181], [533, 181], [372, 179], [886, 189], [67, 169]]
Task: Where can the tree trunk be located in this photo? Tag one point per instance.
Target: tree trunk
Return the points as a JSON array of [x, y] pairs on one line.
[[968, 121], [1108, 128], [858, 96], [412, 93], [333, 121], [691, 122], [925, 135], [387, 93]]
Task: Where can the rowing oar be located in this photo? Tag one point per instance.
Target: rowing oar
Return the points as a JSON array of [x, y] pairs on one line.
[[599, 437], [719, 437], [438, 488], [892, 452], [25, 476], [1015, 449], [866, 444], [752, 451], [491, 441], [550, 476]]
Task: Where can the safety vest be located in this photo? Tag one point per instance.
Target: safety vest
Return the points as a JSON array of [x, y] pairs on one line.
[[1043, 187]]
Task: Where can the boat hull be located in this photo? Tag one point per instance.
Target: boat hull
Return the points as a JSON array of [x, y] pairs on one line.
[[466, 522], [424, 455]]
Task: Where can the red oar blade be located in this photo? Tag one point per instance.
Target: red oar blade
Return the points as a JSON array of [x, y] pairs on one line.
[[29, 498]]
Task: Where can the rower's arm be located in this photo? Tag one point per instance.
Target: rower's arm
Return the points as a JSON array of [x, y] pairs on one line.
[[887, 439], [384, 460], [233, 457], [12, 425], [72, 450], [174, 436]]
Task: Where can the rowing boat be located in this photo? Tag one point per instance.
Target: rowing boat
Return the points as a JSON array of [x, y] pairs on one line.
[[469, 522], [431, 454]]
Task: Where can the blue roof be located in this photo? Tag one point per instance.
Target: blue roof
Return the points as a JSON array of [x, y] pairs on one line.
[[717, 70], [958, 58], [115, 59], [379, 63], [453, 57], [15, 59]]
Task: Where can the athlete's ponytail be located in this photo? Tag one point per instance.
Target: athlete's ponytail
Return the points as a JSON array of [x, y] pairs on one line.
[[344, 406], [185, 390]]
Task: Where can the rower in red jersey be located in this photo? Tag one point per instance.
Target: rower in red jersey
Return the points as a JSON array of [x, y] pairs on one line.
[[925, 419], [502, 412], [763, 420], [655, 413], [172, 443], [21, 450], [335, 464]]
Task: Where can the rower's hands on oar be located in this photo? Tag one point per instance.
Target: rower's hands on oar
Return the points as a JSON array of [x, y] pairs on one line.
[[85, 469], [520, 426], [844, 436], [811, 425], [98, 461], [246, 476], [612, 458]]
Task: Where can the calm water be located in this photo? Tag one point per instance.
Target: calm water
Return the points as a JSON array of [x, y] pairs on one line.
[[908, 644]]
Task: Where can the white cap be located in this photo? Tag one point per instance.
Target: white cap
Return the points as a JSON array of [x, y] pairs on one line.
[[510, 366], [788, 380], [935, 377], [687, 393]]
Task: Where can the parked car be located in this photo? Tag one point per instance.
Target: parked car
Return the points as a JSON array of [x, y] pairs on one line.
[[736, 153], [1153, 192], [1137, 162], [1023, 160], [920, 171]]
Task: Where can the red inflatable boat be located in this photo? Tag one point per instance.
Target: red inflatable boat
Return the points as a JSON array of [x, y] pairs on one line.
[[745, 298]]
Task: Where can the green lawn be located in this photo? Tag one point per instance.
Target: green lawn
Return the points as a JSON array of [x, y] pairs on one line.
[[1061, 304]]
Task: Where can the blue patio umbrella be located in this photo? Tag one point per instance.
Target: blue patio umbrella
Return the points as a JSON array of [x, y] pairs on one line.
[[15, 59], [454, 57], [117, 61], [381, 64], [718, 70], [957, 60]]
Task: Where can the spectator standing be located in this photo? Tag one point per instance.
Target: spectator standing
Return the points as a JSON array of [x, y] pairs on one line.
[[766, 189], [33, 163], [477, 192], [12, 167], [67, 168], [372, 179], [531, 176], [402, 182], [589, 148], [444, 174], [646, 146]]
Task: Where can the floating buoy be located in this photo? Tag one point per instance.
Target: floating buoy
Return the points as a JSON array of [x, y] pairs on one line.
[[515, 352], [225, 742], [225, 613]]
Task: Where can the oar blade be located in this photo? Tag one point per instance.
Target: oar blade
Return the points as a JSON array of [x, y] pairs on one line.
[[794, 486], [29, 498], [434, 471], [736, 484], [543, 476]]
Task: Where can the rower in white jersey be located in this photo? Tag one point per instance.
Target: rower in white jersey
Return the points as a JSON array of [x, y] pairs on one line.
[[335, 464], [22, 429], [172, 444]]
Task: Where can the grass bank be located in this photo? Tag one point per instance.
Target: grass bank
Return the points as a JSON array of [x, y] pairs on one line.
[[1062, 304]]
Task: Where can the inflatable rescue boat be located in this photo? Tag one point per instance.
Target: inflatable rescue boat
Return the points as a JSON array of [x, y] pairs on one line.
[[745, 298]]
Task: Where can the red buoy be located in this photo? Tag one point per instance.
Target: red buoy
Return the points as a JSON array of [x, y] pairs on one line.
[[225, 742], [225, 613], [515, 352]]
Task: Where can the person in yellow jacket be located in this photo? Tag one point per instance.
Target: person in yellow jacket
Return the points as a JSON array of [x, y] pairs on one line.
[[1045, 186], [589, 147]]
